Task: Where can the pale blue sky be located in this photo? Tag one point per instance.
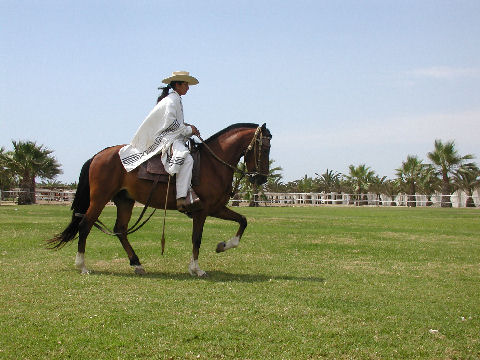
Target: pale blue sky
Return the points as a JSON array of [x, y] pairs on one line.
[[337, 82]]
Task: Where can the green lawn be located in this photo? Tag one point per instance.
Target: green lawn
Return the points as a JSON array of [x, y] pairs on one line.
[[305, 283]]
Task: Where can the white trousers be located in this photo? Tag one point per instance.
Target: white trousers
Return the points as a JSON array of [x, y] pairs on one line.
[[179, 161]]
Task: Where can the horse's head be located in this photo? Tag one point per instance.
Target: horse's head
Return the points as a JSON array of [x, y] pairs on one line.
[[257, 156]]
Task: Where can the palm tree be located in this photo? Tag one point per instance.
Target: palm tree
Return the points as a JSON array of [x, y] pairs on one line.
[[7, 177], [347, 187], [410, 174], [274, 180], [52, 185], [243, 185], [329, 182], [377, 186], [304, 185], [467, 179], [29, 161], [429, 183], [391, 188], [361, 176], [447, 160]]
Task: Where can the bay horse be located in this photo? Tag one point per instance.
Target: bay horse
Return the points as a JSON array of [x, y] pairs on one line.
[[103, 178]]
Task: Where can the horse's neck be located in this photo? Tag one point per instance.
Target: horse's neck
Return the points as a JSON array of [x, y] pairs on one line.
[[231, 146]]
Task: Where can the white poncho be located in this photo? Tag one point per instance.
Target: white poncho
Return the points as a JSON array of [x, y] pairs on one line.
[[158, 131]]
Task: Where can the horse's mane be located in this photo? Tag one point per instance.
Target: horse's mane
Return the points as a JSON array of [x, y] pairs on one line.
[[231, 127]]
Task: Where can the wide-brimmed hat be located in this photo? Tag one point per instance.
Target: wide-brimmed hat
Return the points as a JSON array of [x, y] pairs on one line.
[[181, 76]]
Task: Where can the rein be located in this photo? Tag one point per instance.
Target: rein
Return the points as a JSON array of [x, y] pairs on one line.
[[256, 139], [234, 168]]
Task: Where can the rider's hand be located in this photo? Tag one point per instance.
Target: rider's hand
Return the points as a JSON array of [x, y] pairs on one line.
[[195, 130]]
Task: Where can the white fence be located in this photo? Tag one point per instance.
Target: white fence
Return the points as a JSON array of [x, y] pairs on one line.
[[458, 199], [41, 196]]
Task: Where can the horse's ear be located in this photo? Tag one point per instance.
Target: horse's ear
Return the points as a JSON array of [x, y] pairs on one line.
[[265, 131]]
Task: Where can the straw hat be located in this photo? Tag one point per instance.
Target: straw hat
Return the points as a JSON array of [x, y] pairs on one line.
[[181, 76]]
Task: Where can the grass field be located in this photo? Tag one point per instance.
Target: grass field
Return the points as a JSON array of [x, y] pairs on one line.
[[305, 283]]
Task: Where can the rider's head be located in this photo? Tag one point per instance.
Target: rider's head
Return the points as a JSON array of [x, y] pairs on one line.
[[181, 87], [179, 81]]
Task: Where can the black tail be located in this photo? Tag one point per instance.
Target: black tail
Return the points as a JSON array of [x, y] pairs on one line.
[[80, 205]]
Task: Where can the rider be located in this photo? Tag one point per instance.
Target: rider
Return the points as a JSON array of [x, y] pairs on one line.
[[164, 131]]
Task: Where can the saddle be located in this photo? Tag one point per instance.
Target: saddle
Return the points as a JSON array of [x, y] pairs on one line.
[[153, 168]]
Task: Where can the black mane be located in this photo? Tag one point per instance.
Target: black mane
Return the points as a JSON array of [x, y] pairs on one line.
[[234, 126]]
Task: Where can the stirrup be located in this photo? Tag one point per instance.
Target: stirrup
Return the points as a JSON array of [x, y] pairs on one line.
[[192, 202]]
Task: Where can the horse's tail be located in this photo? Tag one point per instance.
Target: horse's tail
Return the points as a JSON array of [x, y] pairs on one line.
[[80, 205]]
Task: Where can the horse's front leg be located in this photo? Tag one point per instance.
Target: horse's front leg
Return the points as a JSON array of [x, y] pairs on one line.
[[198, 222], [227, 214]]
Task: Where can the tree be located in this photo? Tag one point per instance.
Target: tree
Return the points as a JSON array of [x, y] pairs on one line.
[[7, 177], [29, 161], [429, 183], [304, 185], [361, 176], [409, 175], [447, 160], [347, 187], [53, 184], [329, 182], [241, 184], [467, 178], [391, 188], [274, 180], [377, 186]]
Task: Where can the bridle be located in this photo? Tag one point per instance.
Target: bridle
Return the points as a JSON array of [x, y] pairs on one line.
[[255, 145]]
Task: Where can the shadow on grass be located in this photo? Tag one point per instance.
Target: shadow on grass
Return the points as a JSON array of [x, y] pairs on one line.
[[213, 276]]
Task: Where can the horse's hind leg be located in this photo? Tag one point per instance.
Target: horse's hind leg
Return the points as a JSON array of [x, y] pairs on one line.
[[83, 232], [92, 214], [124, 213], [227, 214]]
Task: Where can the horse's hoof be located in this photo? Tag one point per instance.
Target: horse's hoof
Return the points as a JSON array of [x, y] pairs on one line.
[[85, 272], [195, 270], [221, 247], [139, 270], [197, 273]]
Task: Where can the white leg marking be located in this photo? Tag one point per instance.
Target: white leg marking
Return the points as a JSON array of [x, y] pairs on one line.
[[80, 263], [140, 270], [232, 243], [194, 269]]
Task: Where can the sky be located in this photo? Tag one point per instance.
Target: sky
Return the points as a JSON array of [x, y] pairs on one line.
[[338, 83]]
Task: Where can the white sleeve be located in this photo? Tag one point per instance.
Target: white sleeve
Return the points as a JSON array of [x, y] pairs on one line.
[[187, 131]]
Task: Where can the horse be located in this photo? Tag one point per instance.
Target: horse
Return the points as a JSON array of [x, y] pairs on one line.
[[103, 178]]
